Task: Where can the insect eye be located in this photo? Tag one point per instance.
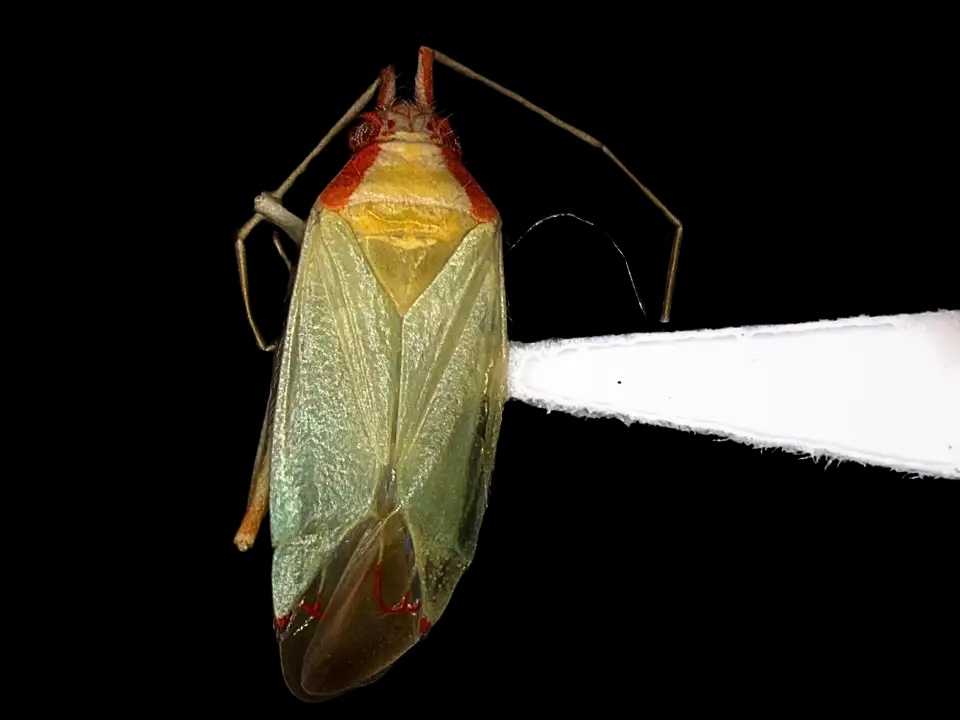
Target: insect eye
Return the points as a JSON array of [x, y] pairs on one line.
[[365, 132]]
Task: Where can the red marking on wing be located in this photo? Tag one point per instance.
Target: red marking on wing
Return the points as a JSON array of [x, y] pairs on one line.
[[401, 607], [424, 81], [314, 610], [425, 625], [338, 192], [280, 623], [482, 208]]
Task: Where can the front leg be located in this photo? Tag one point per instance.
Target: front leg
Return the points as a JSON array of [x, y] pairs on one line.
[[269, 208], [267, 205]]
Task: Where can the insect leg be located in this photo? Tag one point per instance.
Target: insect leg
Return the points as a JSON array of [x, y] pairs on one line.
[[268, 207], [590, 140], [267, 200], [259, 495], [283, 253], [286, 261]]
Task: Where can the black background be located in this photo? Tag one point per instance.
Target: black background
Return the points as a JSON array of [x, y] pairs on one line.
[[616, 564]]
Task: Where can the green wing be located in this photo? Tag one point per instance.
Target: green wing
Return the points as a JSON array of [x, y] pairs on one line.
[[335, 405], [452, 390], [368, 400]]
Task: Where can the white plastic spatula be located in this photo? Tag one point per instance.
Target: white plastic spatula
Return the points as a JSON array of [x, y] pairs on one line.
[[878, 390]]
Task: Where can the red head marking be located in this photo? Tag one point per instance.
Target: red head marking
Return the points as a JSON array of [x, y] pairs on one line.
[[402, 120], [424, 83], [388, 89], [399, 120]]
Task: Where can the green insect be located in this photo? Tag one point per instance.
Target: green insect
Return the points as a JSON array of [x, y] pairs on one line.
[[388, 391]]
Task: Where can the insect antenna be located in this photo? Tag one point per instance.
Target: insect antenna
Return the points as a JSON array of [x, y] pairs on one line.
[[541, 221]]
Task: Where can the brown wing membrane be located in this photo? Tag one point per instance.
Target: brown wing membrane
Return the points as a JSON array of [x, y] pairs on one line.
[[368, 614]]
